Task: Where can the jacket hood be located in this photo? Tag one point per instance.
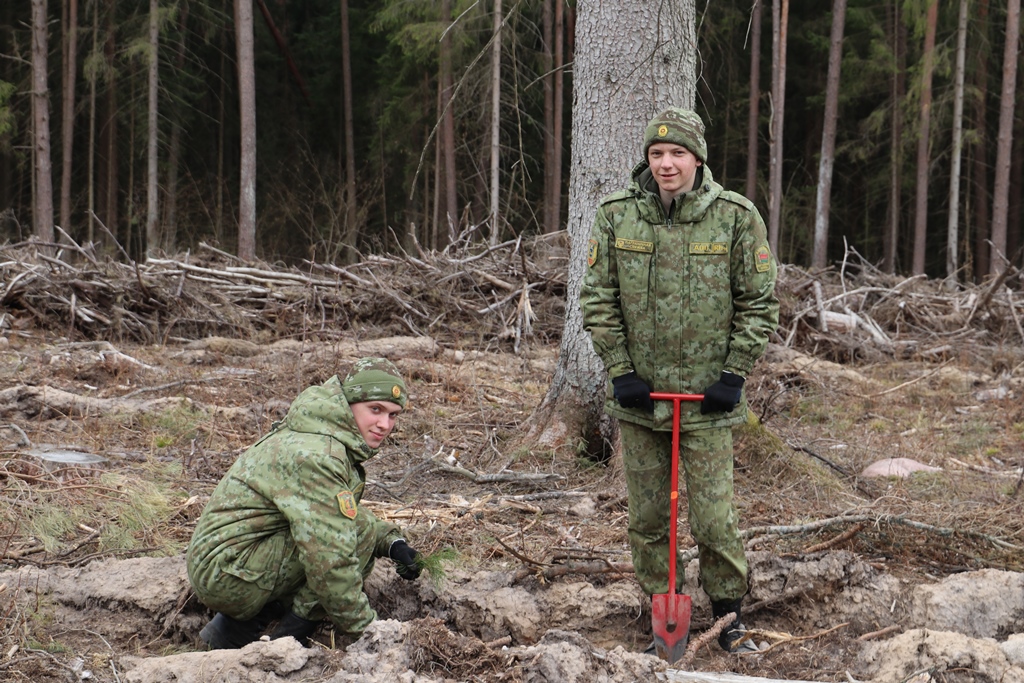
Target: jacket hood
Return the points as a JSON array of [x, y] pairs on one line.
[[323, 410], [688, 207]]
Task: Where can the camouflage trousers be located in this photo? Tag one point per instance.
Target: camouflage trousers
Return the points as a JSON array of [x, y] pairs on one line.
[[270, 570], [705, 460]]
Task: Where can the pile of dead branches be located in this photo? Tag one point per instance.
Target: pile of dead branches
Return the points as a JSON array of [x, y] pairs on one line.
[[854, 311], [851, 311], [490, 293]]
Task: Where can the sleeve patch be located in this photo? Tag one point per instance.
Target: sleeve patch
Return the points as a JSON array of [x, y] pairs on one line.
[[762, 259], [591, 252], [347, 504]]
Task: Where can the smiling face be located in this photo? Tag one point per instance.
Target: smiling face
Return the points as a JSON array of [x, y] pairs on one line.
[[674, 168], [375, 420]]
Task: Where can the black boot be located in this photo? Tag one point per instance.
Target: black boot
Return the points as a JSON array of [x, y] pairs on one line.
[[733, 638], [295, 626], [226, 633]]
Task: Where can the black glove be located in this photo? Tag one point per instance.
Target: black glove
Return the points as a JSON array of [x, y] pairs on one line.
[[632, 392], [723, 395], [295, 626], [406, 560]]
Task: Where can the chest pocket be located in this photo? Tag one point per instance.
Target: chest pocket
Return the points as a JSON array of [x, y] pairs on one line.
[[634, 260], [710, 281]]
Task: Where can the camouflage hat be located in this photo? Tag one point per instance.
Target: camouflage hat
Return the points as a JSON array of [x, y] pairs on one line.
[[680, 127], [374, 379]]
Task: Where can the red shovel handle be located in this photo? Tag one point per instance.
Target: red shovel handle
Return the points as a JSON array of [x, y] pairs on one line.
[[674, 516]]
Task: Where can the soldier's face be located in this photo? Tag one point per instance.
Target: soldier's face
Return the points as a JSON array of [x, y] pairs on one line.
[[674, 167], [375, 420]]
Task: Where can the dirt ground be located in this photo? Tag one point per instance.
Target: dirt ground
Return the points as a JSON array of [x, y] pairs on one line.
[[854, 577]]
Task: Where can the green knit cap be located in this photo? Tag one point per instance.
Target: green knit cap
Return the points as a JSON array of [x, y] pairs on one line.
[[374, 379], [680, 127]]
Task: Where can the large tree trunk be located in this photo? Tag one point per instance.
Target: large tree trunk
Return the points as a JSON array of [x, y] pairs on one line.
[[924, 137], [547, 60], [42, 201], [632, 60], [91, 183], [558, 116], [495, 123], [170, 227], [754, 103], [780, 22], [351, 229], [828, 135], [67, 136], [247, 114], [1000, 192], [952, 231]]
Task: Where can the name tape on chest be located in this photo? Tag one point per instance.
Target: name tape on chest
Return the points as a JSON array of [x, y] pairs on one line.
[[709, 248], [634, 245]]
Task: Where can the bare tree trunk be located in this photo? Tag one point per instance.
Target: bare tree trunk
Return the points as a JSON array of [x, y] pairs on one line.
[[617, 90], [828, 135], [980, 147], [447, 140], [952, 232], [91, 152], [754, 103], [435, 223], [42, 203], [68, 116], [780, 22], [152, 197], [170, 227], [558, 95], [548, 223], [495, 123], [247, 114], [924, 137], [892, 232], [351, 229], [1000, 193], [218, 220]]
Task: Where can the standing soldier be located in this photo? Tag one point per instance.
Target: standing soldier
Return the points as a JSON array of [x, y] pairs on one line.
[[679, 297], [284, 535]]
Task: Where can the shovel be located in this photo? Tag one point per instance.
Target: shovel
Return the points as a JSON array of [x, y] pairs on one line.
[[670, 612]]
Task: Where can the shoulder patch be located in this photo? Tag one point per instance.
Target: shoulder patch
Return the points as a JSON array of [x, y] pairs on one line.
[[591, 252], [737, 198], [615, 197], [347, 504], [762, 259]]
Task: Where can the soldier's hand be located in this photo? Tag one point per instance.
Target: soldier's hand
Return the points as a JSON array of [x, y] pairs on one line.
[[405, 559], [632, 392], [723, 395]]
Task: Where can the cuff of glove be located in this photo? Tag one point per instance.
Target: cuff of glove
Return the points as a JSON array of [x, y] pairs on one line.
[[392, 544], [731, 379]]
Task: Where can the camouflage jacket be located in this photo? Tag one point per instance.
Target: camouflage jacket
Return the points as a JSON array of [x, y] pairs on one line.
[[304, 478], [678, 298]]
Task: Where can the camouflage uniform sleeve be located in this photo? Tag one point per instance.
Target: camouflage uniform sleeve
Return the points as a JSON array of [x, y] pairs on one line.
[[599, 299], [327, 542], [755, 307]]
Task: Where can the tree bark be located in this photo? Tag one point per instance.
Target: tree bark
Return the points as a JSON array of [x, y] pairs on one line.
[[547, 60], [892, 231], [754, 103], [558, 114], [632, 60], [351, 229], [495, 123], [247, 114], [780, 22], [1004, 145], [952, 231], [924, 137], [42, 203], [68, 116], [152, 131], [828, 135], [170, 227]]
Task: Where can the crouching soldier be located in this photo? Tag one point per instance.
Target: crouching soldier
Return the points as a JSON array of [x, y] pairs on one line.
[[284, 536]]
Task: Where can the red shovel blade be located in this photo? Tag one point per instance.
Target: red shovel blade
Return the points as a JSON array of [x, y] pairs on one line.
[[670, 617]]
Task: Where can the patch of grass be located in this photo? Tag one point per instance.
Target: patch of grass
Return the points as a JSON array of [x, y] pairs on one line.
[[177, 425]]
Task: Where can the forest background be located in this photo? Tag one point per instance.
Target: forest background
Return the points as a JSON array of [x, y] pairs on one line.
[[375, 122]]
